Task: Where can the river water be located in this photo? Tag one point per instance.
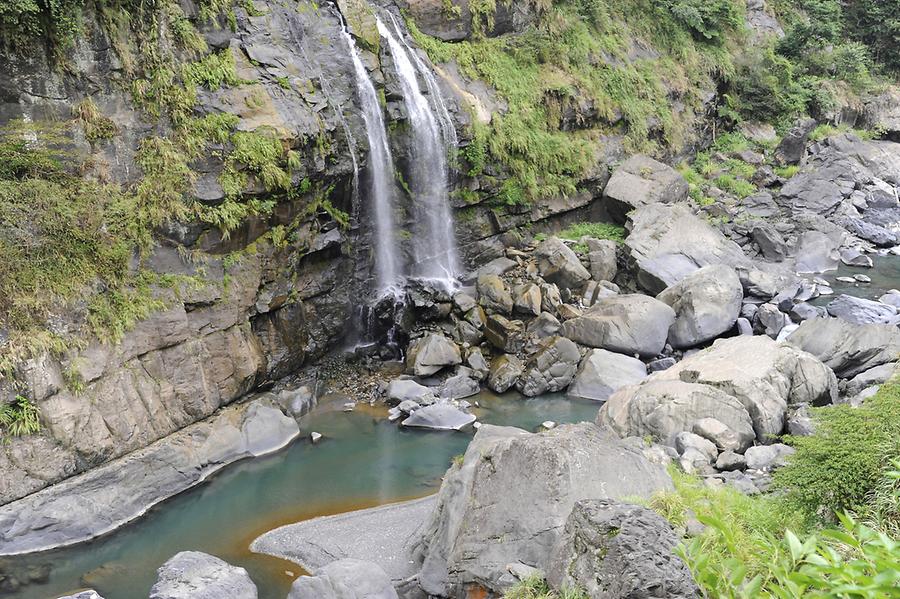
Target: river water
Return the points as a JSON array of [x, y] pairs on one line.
[[362, 462]]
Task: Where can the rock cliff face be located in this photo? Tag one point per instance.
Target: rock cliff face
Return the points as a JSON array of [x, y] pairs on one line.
[[275, 292]]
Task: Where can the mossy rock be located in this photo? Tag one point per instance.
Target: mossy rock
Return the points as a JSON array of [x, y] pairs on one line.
[[361, 20]]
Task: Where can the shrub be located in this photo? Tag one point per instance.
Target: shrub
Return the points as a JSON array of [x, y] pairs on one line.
[[839, 468], [21, 417], [597, 230], [537, 588]]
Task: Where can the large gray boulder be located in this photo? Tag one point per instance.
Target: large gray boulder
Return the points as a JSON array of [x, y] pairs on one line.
[[848, 348], [862, 311], [479, 526], [707, 303], [667, 243], [196, 575], [345, 579], [602, 372], [429, 354], [764, 375], [817, 252], [639, 181], [551, 368], [619, 551], [559, 265], [602, 256], [628, 324], [663, 408]]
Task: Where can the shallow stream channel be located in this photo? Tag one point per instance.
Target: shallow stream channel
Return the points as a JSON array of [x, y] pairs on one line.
[[362, 461]]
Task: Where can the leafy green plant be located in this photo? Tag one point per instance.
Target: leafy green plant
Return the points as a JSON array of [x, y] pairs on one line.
[[21, 417]]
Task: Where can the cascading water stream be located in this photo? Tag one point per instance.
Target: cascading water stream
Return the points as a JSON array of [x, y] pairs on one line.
[[381, 174], [434, 243]]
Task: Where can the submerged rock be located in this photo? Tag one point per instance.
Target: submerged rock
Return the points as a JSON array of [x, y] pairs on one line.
[[440, 417], [196, 575], [478, 526], [345, 579], [619, 551]]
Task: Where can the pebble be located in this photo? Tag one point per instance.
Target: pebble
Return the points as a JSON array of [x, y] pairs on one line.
[[348, 407], [315, 437], [863, 278], [548, 424], [476, 425], [845, 279], [823, 290]]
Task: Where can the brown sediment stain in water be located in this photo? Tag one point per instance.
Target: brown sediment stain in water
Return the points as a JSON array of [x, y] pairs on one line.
[[278, 568]]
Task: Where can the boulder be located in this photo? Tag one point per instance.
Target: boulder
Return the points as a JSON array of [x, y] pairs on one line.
[[478, 363], [527, 299], [862, 311], [853, 257], [439, 417], [664, 408], [551, 368], [762, 374], [478, 526], [816, 252], [345, 579], [603, 372], [767, 457], [729, 461], [707, 303], [602, 257], [196, 575], [504, 334], [667, 243], [88, 594], [431, 353], [505, 371], [792, 147], [463, 384], [771, 320], [873, 376], [619, 551], [400, 390], [718, 433], [543, 326], [685, 441], [770, 242], [629, 324], [559, 265], [639, 181], [493, 294], [847, 348]]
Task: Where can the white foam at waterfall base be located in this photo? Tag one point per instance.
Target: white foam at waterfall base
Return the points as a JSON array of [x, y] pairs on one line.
[[433, 244], [381, 172]]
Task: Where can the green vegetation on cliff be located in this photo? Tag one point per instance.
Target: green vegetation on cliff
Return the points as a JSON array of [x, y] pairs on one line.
[[581, 60]]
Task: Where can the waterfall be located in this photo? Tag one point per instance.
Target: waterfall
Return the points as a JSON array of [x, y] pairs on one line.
[[434, 243], [381, 174]]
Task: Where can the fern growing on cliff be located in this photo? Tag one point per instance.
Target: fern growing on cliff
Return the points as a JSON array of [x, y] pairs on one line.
[[21, 417]]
